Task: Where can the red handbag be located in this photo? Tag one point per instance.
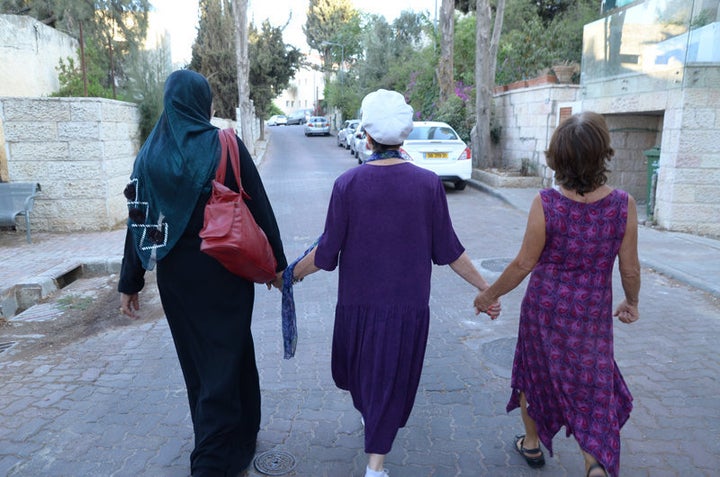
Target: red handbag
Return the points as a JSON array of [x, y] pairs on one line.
[[230, 233]]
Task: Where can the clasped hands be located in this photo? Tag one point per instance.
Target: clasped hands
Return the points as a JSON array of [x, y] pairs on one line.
[[277, 282], [484, 303]]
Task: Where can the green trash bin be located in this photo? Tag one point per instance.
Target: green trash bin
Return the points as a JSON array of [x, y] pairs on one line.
[[653, 163]]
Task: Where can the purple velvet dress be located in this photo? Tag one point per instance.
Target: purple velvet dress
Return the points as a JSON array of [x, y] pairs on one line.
[[385, 227], [564, 360]]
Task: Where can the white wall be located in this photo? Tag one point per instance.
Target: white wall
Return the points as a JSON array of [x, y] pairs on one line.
[[528, 117], [30, 52]]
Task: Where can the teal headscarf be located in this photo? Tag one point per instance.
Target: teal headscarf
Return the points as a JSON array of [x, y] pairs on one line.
[[173, 168]]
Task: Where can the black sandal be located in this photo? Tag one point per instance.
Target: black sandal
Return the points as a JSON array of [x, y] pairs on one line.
[[532, 461], [594, 467]]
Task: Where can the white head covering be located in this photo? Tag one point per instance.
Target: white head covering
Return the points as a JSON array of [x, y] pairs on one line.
[[386, 117]]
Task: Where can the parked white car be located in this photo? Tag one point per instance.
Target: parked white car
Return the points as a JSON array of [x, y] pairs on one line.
[[277, 120], [353, 140], [360, 148], [345, 134], [437, 147]]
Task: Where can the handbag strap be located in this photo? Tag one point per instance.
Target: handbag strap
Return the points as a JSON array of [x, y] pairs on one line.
[[229, 147]]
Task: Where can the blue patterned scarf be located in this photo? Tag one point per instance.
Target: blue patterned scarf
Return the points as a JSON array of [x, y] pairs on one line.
[[388, 154], [289, 319]]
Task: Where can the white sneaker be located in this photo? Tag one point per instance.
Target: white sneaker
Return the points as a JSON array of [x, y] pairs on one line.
[[376, 473]]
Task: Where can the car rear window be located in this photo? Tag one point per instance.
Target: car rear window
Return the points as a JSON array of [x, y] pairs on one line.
[[432, 133]]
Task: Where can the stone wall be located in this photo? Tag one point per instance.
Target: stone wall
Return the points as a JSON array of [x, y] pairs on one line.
[[630, 136], [688, 190], [80, 150], [687, 121], [528, 117], [31, 52]]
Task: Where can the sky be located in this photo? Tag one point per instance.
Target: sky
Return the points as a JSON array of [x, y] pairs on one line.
[[179, 18]]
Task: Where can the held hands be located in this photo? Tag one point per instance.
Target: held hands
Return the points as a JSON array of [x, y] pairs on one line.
[[484, 303], [277, 283], [627, 313]]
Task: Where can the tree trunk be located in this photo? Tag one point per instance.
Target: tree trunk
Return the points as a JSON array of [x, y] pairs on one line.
[[245, 116], [485, 63], [83, 65], [445, 64]]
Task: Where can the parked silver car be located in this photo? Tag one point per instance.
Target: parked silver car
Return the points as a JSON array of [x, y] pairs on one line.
[[345, 134], [300, 116], [317, 126]]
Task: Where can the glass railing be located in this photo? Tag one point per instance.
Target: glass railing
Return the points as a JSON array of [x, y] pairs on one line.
[[647, 45]]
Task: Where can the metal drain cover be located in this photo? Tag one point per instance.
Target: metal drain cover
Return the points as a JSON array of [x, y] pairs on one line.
[[6, 346], [275, 462], [496, 264], [498, 356]]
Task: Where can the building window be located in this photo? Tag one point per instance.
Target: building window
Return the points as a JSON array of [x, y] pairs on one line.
[[564, 114]]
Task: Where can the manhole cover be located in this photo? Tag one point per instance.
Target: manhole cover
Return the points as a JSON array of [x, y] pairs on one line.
[[498, 356], [6, 346], [496, 264], [275, 462]]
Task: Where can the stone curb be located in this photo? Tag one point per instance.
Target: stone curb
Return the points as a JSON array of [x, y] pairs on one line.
[[24, 295]]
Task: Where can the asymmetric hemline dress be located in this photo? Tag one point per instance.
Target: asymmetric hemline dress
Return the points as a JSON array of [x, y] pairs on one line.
[[564, 359], [385, 227]]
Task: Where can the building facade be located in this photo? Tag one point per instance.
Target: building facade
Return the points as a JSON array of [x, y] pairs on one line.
[[652, 68], [306, 90]]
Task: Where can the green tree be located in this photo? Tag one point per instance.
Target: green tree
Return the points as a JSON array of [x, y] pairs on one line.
[[148, 73], [71, 76], [389, 56], [376, 40], [213, 54], [464, 49], [533, 40], [272, 65], [326, 24]]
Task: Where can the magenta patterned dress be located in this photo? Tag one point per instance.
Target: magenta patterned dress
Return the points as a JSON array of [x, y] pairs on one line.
[[564, 359]]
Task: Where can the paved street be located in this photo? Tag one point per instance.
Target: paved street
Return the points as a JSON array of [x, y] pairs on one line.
[[112, 403]]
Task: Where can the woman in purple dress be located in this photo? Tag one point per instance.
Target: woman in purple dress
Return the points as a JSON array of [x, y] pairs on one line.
[[387, 223], [564, 372]]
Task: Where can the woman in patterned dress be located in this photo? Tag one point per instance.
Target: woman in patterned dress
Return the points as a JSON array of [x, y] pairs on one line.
[[564, 372], [387, 223]]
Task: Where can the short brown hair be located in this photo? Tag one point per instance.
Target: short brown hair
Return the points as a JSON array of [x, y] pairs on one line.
[[579, 151]]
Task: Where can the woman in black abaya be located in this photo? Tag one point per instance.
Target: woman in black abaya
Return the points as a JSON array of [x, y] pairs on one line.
[[209, 309]]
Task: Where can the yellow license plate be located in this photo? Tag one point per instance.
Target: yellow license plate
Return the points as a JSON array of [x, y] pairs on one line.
[[436, 155]]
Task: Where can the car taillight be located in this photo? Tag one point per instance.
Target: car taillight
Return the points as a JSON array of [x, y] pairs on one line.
[[405, 155], [466, 154]]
